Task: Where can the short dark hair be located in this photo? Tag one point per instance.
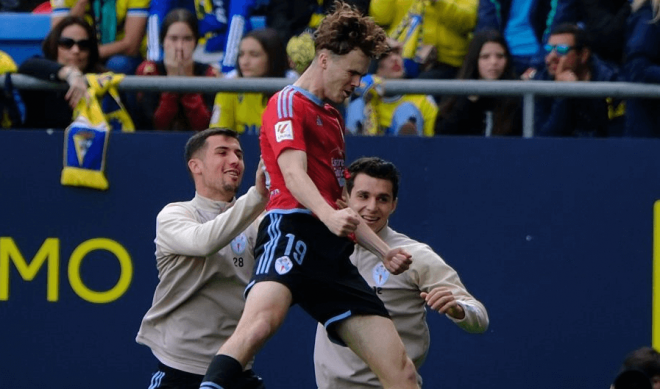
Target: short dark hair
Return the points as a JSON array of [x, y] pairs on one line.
[[275, 49], [179, 15], [374, 167], [50, 43], [198, 141], [579, 34], [346, 29], [646, 359]]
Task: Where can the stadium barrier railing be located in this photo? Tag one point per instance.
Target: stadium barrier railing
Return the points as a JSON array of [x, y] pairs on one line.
[[527, 89]]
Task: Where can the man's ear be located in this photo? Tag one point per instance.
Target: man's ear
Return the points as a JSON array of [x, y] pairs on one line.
[[585, 55], [323, 59], [194, 166], [396, 201]]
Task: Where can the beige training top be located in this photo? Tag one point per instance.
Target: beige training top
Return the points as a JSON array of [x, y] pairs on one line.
[[339, 367], [204, 255]]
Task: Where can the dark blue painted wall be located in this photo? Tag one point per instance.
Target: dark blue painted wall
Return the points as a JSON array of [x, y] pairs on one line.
[[553, 236]]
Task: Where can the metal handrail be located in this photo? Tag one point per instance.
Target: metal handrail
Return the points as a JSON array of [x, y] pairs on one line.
[[527, 89]]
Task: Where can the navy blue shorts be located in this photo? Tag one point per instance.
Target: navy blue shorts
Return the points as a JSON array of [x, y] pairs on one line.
[[169, 378], [296, 249]]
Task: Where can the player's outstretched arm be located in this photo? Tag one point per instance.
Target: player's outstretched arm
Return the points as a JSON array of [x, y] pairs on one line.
[[293, 164], [396, 260]]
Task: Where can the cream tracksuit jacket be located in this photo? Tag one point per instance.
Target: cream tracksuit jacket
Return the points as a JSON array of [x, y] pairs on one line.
[[204, 256], [339, 367]]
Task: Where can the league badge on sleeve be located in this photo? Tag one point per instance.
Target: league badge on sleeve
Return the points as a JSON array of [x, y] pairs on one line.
[[283, 131]]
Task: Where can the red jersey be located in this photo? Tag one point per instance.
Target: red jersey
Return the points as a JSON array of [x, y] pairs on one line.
[[296, 119]]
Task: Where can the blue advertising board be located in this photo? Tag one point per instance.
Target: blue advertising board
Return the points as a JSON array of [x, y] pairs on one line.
[[554, 236]]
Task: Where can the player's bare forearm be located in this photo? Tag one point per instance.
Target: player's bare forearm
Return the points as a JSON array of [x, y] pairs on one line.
[[368, 239], [396, 260]]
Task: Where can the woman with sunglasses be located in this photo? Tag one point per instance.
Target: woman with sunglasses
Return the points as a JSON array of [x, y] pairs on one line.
[[70, 50], [488, 58], [169, 110]]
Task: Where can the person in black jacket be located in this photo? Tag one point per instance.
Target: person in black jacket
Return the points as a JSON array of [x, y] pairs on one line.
[[70, 50], [488, 58], [292, 17], [642, 64], [569, 59], [605, 19]]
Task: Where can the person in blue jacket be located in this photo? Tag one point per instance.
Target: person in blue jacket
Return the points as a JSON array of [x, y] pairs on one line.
[[222, 24], [569, 59], [526, 26], [642, 64]]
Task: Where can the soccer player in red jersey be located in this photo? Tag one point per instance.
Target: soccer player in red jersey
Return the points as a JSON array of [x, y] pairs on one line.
[[302, 246]]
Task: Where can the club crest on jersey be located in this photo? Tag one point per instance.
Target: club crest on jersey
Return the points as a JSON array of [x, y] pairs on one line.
[[283, 265], [380, 274], [318, 121], [283, 131], [238, 244]]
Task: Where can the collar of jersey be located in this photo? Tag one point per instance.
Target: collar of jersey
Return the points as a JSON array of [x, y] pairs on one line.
[[309, 95]]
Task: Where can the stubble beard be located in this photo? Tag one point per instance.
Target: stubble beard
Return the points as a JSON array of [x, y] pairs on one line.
[[229, 188]]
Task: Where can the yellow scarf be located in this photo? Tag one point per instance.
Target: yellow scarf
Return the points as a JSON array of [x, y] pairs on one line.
[[86, 139]]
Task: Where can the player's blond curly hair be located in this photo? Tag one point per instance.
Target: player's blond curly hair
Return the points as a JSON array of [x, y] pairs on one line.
[[346, 29]]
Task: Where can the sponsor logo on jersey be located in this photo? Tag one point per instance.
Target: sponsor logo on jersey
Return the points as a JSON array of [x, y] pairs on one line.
[[380, 274], [338, 166], [283, 265], [283, 131], [239, 243]]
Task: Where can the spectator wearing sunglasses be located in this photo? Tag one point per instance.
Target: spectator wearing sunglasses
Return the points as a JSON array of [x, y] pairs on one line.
[[568, 58], [70, 50], [119, 25]]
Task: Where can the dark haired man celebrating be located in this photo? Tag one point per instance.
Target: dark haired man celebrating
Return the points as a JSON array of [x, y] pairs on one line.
[[373, 187], [204, 255]]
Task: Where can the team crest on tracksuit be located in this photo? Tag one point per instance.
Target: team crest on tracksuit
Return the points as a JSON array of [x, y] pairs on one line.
[[380, 274], [239, 243]]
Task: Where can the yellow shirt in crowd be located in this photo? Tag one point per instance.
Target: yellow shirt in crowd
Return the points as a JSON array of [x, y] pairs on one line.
[[239, 111]]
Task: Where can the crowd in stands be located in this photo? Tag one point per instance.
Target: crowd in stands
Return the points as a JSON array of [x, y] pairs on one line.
[[544, 40]]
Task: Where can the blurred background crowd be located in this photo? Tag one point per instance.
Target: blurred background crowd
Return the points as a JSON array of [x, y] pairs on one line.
[[544, 40]]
